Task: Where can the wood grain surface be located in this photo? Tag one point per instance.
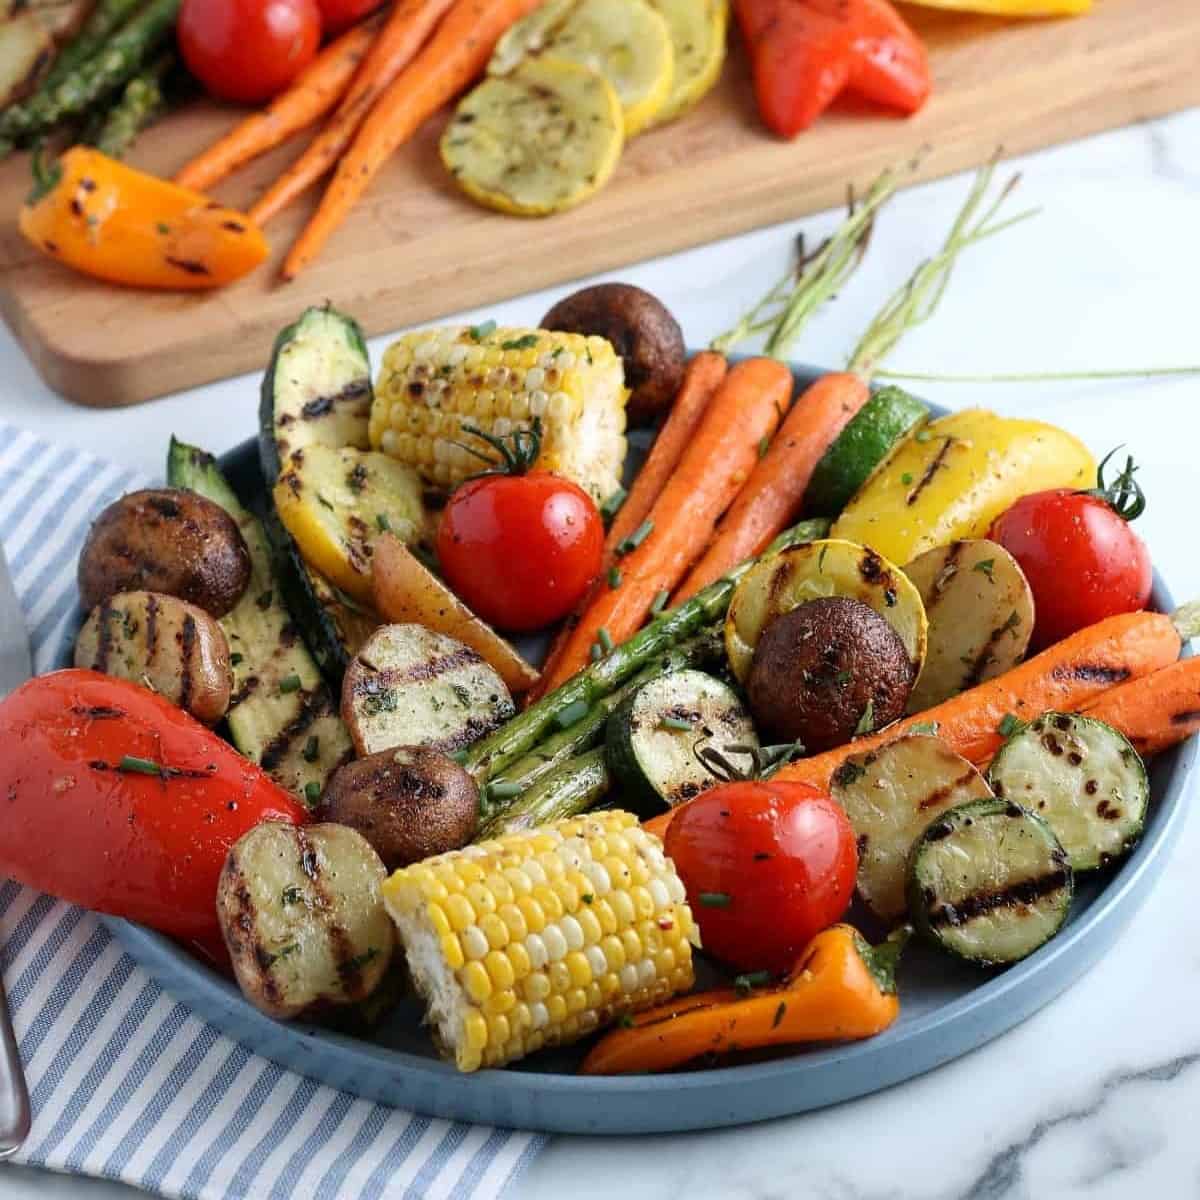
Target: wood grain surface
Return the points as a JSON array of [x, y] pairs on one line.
[[416, 248]]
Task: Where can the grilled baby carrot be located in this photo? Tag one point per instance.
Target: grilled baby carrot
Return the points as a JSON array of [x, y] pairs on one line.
[[453, 57], [711, 472], [842, 989], [410, 24], [1156, 711], [315, 92]]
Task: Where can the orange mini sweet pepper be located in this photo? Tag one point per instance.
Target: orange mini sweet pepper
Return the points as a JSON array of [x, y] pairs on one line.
[[841, 989], [108, 220]]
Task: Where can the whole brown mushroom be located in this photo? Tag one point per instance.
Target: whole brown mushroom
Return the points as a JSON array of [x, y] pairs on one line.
[[409, 803], [826, 671], [641, 330]]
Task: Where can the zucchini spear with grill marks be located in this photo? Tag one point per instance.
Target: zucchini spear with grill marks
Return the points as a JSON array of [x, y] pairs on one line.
[[281, 715]]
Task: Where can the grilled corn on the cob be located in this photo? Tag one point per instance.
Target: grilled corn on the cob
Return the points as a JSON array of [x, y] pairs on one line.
[[539, 938], [435, 381]]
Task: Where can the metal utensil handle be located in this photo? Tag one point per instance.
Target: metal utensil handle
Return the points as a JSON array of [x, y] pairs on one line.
[[14, 1095]]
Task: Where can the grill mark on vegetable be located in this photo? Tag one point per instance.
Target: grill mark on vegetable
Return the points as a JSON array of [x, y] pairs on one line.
[[421, 672], [340, 947], [323, 405], [873, 572], [189, 266], [187, 647], [151, 626], [930, 471], [1186, 717], [97, 712], [981, 903], [948, 789], [248, 688], [312, 705], [975, 674], [1091, 673], [104, 644], [942, 578]]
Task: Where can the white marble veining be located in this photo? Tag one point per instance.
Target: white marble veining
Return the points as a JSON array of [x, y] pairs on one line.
[[1096, 1097]]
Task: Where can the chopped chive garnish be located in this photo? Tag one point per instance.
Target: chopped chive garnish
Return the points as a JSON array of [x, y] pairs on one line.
[[311, 749], [595, 653], [660, 602], [922, 436], [289, 683], [930, 727], [459, 756], [265, 600], [163, 228], [715, 899], [751, 980], [571, 714], [614, 577], [522, 343], [866, 722], [587, 897], [608, 509], [503, 789], [132, 765], [235, 659], [906, 478], [385, 525], [985, 567], [604, 639], [675, 723], [625, 1021], [636, 538], [764, 444], [1009, 725], [482, 330], [312, 791]]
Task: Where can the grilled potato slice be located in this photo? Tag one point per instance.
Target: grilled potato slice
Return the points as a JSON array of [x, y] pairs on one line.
[[537, 140], [168, 645], [828, 567], [26, 48], [410, 686], [699, 30], [890, 796], [302, 916], [980, 611], [337, 502]]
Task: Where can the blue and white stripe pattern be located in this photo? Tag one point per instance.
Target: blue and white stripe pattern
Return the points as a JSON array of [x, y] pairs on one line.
[[125, 1082]]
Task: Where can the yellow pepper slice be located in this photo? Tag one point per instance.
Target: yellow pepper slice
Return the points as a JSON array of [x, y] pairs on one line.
[[954, 476], [1012, 8]]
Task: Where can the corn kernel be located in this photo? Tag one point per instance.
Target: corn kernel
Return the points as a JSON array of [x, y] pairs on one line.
[[610, 985], [499, 1002], [494, 930], [614, 953], [499, 1029], [438, 919], [510, 914], [605, 915], [548, 899], [664, 961], [500, 969], [572, 933], [595, 996], [474, 944], [476, 982], [576, 999], [556, 1006], [475, 1030], [567, 892], [500, 888], [539, 1016], [556, 944], [622, 905], [628, 976], [536, 987], [590, 925], [520, 1019], [631, 944], [559, 976], [538, 956], [578, 968], [518, 958], [482, 901], [458, 909], [533, 913]]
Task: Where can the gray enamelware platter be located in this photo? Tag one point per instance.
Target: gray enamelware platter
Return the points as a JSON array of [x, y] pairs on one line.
[[947, 1008]]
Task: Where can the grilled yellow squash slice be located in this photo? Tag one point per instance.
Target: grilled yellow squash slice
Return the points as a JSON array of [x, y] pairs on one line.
[[537, 140], [698, 29]]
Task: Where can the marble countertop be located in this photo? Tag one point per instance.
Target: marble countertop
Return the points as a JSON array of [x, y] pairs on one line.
[[1096, 1095]]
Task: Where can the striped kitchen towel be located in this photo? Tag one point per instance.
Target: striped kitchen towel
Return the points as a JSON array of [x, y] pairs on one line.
[[125, 1082]]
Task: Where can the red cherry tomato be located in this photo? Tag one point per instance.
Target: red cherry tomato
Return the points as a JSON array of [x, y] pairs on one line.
[[1082, 560], [337, 15], [521, 550], [767, 866], [248, 50]]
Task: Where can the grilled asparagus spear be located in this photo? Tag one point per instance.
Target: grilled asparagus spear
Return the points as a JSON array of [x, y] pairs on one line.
[[139, 105]]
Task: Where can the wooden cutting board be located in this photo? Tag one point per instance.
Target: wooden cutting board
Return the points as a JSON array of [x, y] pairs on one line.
[[416, 249]]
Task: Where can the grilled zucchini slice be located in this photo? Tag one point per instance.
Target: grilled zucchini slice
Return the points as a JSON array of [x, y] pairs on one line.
[[829, 567], [1083, 778], [335, 503], [410, 686], [281, 714], [890, 795], [537, 140], [654, 737], [699, 30], [980, 611], [989, 882]]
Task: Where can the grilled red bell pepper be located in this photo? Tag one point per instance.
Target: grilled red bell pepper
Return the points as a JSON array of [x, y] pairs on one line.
[[805, 53], [116, 800]]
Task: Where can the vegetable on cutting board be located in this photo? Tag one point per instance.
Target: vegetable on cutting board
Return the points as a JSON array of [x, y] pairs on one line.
[[29, 36], [141, 102], [302, 917], [767, 866], [826, 567], [165, 644], [520, 546], [107, 220], [745, 409], [407, 592], [120, 802], [1083, 778], [449, 61], [410, 686], [498, 987], [840, 989], [954, 476], [699, 32], [1084, 537], [429, 391], [890, 795], [658, 738], [805, 53], [246, 51], [989, 882], [315, 91], [281, 714], [538, 140], [409, 24], [980, 611]]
